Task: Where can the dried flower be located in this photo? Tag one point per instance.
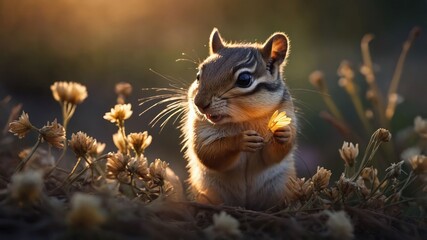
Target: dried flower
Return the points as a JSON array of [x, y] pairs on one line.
[[139, 141], [224, 227], [21, 126], [394, 170], [349, 153], [116, 166], [321, 178], [86, 211], [420, 126], [299, 189], [346, 186], [26, 187], [41, 160], [382, 135], [119, 142], [158, 170], [54, 134], [345, 71], [119, 113], [317, 79], [69, 92], [278, 120], [370, 175], [419, 164], [96, 149], [81, 144], [139, 166], [339, 225], [123, 90]]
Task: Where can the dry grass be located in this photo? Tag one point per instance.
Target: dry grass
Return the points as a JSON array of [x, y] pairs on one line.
[[124, 195]]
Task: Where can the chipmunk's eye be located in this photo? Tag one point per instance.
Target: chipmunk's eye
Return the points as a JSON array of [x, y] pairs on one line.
[[244, 80]]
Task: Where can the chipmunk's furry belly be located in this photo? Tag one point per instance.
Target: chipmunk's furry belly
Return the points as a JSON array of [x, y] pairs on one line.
[[249, 184]]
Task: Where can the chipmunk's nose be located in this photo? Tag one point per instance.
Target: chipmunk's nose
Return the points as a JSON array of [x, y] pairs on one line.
[[202, 104]]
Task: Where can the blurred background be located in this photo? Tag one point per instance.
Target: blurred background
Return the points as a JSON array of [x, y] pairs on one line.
[[100, 43]]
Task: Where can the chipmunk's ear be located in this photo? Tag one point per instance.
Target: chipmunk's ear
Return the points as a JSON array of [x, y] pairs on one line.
[[275, 49], [215, 42]]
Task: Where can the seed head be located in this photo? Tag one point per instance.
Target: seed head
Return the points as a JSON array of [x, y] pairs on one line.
[[394, 170], [119, 113], [96, 149], [224, 227], [139, 166], [321, 178], [26, 187], [370, 175], [69, 92], [81, 144], [382, 135], [86, 211], [116, 166], [299, 189], [21, 126], [419, 164], [158, 170], [346, 186], [139, 141], [54, 134], [349, 153], [339, 225]]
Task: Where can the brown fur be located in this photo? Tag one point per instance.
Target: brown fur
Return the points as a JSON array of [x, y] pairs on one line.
[[232, 156]]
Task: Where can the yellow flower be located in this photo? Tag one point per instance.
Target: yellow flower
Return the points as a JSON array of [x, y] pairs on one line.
[[54, 134], [119, 113], [139, 141], [278, 120], [21, 126], [349, 152], [70, 92]]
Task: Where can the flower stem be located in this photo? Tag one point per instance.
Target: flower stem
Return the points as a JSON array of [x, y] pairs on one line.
[[21, 165]]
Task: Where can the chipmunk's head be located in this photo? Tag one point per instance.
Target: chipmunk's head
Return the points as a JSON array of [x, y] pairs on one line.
[[240, 82]]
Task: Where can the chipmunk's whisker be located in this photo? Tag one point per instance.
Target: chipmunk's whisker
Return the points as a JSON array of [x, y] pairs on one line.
[[170, 108]]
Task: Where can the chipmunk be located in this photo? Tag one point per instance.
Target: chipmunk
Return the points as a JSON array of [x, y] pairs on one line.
[[233, 159]]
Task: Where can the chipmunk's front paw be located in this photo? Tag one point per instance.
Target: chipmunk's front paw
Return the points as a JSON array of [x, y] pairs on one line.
[[282, 135], [251, 141]]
